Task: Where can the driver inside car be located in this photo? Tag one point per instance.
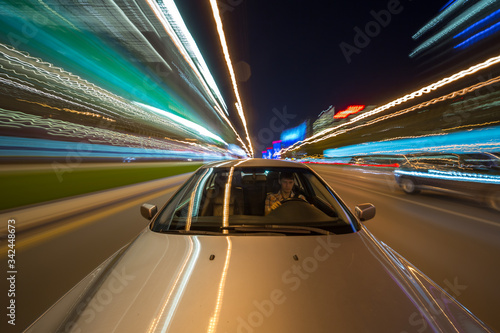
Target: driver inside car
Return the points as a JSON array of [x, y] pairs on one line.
[[273, 200]]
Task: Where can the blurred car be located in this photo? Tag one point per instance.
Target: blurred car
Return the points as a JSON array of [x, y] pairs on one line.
[[211, 260], [391, 161], [475, 175]]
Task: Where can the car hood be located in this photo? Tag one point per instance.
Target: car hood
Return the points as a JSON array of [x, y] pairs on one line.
[[179, 283]]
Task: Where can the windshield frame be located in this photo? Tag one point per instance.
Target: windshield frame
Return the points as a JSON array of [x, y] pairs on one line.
[[193, 188]]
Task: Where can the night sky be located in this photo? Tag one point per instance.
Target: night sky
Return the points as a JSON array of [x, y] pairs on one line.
[[293, 50]]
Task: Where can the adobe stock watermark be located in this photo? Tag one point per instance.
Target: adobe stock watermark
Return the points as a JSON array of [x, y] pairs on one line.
[[28, 31], [277, 124], [88, 310], [75, 156], [363, 37], [292, 278], [73, 160], [454, 289]]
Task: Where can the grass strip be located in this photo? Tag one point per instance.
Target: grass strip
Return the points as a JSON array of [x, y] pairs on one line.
[[26, 187]]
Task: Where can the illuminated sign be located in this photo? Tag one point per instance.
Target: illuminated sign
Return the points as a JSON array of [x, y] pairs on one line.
[[347, 112], [292, 135], [268, 153], [276, 149]]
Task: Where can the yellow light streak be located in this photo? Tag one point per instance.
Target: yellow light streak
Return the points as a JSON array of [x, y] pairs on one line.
[[215, 318], [178, 287], [472, 125], [225, 50], [95, 115], [227, 197], [237, 135], [227, 193], [172, 11], [419, 106]]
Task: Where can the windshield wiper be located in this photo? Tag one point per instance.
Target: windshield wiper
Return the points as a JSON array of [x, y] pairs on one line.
[[294, 229], [191, 232]]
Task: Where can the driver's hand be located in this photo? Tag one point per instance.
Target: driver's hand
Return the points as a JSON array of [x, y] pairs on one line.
[[275, 205]]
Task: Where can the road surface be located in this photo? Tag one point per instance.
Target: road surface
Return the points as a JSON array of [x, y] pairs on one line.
[[455, 242]]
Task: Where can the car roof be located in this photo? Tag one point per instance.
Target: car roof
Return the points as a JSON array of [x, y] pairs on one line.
[[255, 163]]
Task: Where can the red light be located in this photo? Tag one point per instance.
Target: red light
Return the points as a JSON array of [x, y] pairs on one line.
[[347, 112]]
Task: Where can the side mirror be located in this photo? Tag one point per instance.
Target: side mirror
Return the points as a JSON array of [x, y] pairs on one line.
[[365, 211], [148, 211]]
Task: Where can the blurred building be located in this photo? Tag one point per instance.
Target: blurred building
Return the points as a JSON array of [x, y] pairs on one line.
[[324, 120]]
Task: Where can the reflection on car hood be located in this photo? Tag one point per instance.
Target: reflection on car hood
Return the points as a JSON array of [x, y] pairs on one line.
[[176, 283]]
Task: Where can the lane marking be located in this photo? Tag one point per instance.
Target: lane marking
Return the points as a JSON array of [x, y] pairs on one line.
[[496, 224], [30, 241]]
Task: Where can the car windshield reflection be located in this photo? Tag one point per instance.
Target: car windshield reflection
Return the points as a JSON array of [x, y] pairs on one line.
[[215, 199]]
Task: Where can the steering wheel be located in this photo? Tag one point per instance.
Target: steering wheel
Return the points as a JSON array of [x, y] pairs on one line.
[[293, 199]]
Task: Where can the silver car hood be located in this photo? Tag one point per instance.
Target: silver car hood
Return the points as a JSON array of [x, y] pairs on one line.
[[179, 283]]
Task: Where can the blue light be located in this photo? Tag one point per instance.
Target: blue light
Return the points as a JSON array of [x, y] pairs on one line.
[[453, 175], [276, 149], [292, 135], [480, 35], [23, 147], [447, 5], [486, 139], [479, 23]]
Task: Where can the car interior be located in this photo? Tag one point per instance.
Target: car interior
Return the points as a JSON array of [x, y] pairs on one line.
[[205, 196], [249, 192]]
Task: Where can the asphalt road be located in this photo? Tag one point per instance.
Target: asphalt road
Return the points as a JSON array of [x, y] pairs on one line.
[[455, 242]]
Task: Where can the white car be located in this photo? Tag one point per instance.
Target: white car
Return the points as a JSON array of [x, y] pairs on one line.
[[223, 256]]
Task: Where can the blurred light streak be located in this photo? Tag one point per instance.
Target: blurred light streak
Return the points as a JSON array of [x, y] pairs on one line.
[[210, 148], [23, 147], [107, 44], [479, 23], [472, 125], [60, 128], [432, 23], [480, 140], [74, 81], [238, 137], [227, 199], [220, 30], [196, 198], [456, 23], [180, 283], [480, 35], [453, 175], [215, 318], [183, 122], [169, 16], [39, 92], [63, 80], [434, 86], [69, 110], [447, 5], [57, 127], [419, 106]]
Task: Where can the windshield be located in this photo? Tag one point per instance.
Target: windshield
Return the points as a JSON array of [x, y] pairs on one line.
[[217, 199]]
